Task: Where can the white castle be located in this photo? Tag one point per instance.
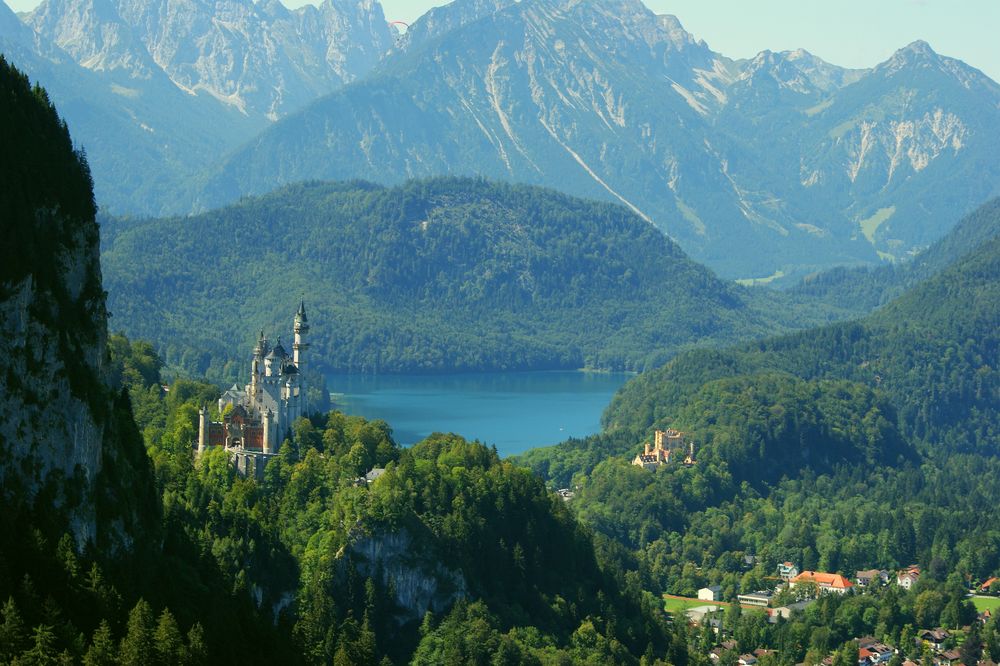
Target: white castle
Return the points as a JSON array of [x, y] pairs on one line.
[[263, 411]]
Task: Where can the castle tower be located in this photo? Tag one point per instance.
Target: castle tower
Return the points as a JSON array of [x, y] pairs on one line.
[[299, 348], [268, 427], [659, 439], [255, 365], [202, 430]]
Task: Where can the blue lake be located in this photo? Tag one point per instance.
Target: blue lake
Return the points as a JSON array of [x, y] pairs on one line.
[[514, 411]]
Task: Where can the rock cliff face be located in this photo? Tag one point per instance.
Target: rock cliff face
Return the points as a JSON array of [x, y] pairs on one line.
[[420, 584], [59, 426], [260, 58]]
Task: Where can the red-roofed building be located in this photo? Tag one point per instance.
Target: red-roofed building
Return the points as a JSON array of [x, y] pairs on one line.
[[825, 582], [985, 587], [908, 577]]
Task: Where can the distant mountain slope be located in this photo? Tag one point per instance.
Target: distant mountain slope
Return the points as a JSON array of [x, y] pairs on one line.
[[934, 352], [259, 57], [864, 288], [141, 134], [779, 163], [155, 91], [432, 275]]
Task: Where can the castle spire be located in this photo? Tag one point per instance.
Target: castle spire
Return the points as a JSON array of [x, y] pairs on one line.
[[299, 348]]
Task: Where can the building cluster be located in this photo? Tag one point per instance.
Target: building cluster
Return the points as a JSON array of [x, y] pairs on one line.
[[667, 445], [938, 645], [258, 417]]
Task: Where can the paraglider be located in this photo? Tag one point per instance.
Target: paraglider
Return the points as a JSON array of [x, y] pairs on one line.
[[395, 27]]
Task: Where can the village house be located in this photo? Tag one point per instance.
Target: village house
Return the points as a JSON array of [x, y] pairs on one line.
[[936, 638], [908, 577], [985, 587], [874, 654], [871, 576], [711, 593], [786, 611], [948, 658], [825, 582], [787, 571]]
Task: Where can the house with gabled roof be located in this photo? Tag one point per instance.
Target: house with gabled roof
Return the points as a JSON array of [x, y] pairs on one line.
[[825, 582]]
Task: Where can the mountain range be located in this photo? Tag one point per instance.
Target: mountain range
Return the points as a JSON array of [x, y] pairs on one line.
[[774, 166]]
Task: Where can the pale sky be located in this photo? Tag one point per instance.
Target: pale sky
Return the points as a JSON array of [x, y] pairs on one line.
[[850, 33]]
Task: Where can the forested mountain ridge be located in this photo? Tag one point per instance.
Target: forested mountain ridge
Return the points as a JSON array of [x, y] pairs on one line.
[[444, 274], [867, 444], [865, 288], [933, 353]]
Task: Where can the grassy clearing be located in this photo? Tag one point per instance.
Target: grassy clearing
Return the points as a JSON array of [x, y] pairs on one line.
[[871, 225], [986, 603]]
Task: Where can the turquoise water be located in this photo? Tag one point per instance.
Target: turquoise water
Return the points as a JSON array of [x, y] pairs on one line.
[[514, 411]]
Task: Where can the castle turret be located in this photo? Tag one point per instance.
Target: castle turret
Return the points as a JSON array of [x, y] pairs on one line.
[[202, 430], [299, 348], [268, 422]]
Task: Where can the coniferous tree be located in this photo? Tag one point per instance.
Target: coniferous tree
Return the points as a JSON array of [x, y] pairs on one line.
[[167, 640], [13, 636], [102, 650], [43, 652], [196, 653], [137, 645], [972, 648]]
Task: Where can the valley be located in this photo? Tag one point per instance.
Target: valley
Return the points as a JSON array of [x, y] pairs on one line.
[[534, 332]]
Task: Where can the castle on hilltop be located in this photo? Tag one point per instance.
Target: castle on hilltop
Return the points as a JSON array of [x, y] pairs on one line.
[[664, 441], [262, 411]]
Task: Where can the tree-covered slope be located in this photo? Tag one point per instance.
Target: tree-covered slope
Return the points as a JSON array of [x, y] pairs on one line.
[[934, 353], [865, 288], [430, 275]]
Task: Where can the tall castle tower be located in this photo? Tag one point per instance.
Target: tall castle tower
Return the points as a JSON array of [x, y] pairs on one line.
[[299, 348]]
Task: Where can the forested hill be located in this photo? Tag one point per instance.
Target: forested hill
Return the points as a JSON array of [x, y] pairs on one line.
[[431, 275], [865, 288], [934, 353]]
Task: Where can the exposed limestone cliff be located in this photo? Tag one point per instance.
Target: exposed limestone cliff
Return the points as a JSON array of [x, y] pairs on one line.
[[60, 425], [420, 584]]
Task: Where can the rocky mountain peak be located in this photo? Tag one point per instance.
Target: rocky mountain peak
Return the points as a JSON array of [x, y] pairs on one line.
[[258, 57], [915, 54], [680, 38], [439, 20], [919, 56], [95, 34]]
